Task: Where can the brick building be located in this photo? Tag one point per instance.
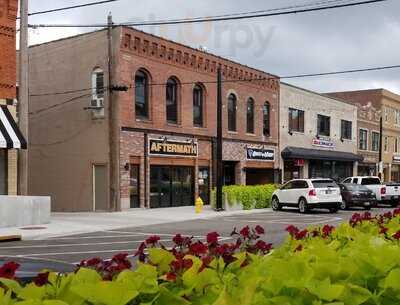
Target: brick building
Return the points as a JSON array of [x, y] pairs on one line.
[[372, 105], [318, 135], [10, 137], [167, 122]]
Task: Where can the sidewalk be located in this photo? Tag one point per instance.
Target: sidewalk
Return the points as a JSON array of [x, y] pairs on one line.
[[63, 224]]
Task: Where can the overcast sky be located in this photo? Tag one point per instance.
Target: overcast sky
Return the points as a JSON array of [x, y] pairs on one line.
[[340, 39]]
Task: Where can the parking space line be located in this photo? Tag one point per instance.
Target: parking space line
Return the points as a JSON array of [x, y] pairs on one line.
[[77, 245], [95, 236], [76, 252]]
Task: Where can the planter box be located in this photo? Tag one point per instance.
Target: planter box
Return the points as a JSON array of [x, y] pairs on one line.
[[20, 211]]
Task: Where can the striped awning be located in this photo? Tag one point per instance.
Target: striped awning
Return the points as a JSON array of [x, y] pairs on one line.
[[10, 135]]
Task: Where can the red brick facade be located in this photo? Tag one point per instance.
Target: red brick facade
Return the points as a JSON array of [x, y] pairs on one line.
[[8, 14], [162, 59]]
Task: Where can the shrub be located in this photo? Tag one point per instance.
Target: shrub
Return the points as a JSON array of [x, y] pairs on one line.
[[249, 197], [356, 263]]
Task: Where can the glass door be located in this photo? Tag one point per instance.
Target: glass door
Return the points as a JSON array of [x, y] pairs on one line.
[[204, 184], [134, 187]]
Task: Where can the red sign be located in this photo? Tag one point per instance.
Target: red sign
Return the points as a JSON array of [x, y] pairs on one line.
[[299, 162]]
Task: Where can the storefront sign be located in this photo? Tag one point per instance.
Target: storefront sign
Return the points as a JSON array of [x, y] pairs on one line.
[[167, 147], [299, 163], [323, 143], [396, 159], [260, 154]]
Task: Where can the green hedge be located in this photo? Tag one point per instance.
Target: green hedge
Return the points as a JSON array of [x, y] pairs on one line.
[[248, 196]]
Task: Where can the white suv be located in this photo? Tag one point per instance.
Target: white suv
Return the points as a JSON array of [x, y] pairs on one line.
[[307, 194]]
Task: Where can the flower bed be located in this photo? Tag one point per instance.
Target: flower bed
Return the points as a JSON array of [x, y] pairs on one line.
[[356, 263], [246, 197]]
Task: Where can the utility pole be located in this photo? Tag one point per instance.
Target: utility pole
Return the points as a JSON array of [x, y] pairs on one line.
[[380, 164], [114, 129], [23, 98], [220, 172]]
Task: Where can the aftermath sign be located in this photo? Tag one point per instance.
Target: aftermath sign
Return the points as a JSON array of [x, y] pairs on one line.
[[172, 148]]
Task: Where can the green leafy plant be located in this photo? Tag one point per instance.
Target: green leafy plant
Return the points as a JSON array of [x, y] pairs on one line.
[[356, 263], [247, 196]]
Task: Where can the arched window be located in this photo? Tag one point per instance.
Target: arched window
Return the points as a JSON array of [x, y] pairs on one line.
[[250, 116], [172, 101], [198, 104], [232, 102], [97, 87], [141, 94], [267, 119]]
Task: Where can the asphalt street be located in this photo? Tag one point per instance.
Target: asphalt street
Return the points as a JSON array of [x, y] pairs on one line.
[[105, 244]]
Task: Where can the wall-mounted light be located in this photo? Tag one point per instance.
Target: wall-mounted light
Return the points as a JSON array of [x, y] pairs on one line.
[[290, 132], [127, 166]]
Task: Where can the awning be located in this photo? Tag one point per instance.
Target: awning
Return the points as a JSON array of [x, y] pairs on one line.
[[316, 154], [10, 135]]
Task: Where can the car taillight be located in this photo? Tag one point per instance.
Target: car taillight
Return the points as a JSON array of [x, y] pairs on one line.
[[312, 192], [383, 191]]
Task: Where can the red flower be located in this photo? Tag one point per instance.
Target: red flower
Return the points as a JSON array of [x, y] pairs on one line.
[[315, 233], [198, 248], [263, 246], [120, 257], [8, 270], [178, 240], [212, 238], [171, 277], [152, 240], [327, 230], [383, 230], [259, 230], [301, 235], [42, 279], [292, 230], [396, 212], [396, 235], [206, 261], [245, 232], [93, 262]]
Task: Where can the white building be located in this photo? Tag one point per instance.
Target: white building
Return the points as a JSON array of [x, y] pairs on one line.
[[318, 135]]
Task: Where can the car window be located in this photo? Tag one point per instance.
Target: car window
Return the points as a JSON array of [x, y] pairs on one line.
[[355, 180], [287, 186], [348, 180], [300, 184], [370, 181], [318, 184]]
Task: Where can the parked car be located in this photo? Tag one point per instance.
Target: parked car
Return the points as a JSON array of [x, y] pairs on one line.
[[356, 195], [308, 194], [30, 268], [388, 194]]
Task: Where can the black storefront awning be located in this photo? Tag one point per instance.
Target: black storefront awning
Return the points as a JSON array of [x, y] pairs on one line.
[[316, 154]]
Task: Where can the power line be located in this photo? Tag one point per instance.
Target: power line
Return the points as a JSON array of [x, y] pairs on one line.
[[380, 68], [70, 7], [209, 19]]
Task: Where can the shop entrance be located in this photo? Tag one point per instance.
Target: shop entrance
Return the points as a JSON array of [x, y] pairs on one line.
[[258, 176], [336, 170], [171, 186], [204, 184], [229, 173]]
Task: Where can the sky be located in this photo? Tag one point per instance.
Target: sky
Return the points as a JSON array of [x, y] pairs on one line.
[[339, 39]]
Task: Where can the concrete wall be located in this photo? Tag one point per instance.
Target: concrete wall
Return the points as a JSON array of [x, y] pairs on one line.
[[313, 104], [19, 211], [65, 141]]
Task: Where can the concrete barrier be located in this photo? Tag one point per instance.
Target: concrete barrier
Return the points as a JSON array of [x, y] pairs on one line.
[[20, 211]]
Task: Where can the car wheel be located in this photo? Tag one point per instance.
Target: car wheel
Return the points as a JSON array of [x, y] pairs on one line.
[[394, 205], [276, 206], [343, 205], [333, 210], [303, 205], [367, 208]]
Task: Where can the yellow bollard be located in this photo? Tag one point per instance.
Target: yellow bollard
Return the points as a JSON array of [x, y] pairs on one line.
[[199, 205]]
